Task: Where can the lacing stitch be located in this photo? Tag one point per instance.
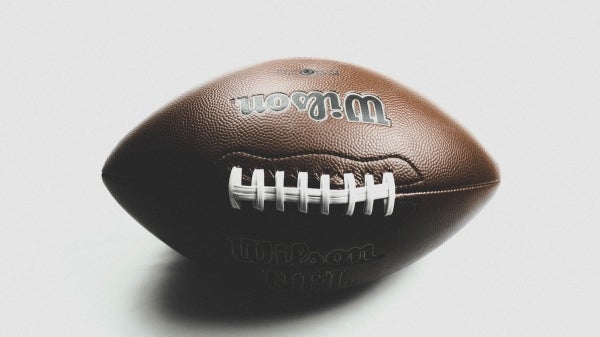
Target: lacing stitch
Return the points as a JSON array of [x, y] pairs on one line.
[[258, 193]]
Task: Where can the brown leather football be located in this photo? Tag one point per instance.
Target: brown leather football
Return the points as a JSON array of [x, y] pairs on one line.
[[301, 174]]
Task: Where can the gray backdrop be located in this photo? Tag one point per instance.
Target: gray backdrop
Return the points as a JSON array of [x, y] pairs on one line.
[[76, 76]]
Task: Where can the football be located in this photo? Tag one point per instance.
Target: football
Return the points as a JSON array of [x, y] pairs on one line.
[[301, 174]]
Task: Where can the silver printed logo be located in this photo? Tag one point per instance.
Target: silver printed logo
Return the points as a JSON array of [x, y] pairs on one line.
[[355, 107]]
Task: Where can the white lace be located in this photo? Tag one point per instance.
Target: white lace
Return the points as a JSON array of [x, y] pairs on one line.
[[258, 193]]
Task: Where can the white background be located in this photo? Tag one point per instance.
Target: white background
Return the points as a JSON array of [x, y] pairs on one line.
[[77, 76]]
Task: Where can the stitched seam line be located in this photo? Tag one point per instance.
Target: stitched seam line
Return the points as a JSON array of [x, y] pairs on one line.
[[450, 190], [361, 160]]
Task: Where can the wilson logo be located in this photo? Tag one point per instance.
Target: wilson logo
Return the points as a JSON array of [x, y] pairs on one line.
[[298, 254], [354, 107]]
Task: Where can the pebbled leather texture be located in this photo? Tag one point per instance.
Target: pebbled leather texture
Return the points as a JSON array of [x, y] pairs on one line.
[[206, 125], [442, 174]]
